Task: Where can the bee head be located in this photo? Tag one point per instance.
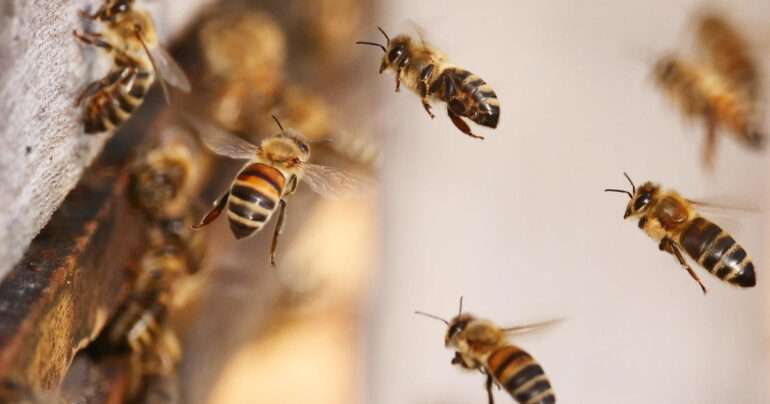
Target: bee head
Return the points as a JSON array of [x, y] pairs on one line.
[[640, 198], [667, 70], [118, 7], [456, 326], [287, 147], [396, 55]]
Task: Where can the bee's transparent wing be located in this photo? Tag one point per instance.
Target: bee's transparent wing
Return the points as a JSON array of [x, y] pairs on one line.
[[523, 329], [221, 141], [728, 214], [166, 68], [336, 183]]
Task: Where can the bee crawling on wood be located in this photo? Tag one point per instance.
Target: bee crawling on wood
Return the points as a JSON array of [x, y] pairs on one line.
[[129, 35]]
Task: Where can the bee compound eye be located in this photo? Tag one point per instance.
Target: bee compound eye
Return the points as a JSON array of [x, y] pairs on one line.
[[642, 201], [395, 53]]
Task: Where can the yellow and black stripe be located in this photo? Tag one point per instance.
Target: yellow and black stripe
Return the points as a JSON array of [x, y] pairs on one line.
[[467, 95], [114, 104], [719, 253], [521, 376], [253, 198]]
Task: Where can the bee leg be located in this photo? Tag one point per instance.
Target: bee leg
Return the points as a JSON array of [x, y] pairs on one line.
[[424, 98], [108, 80], [214, 213], [423, 86], [94, 39], [668, 245], [460, 124], [278, 229], [398, 81], [709, 147], [490, 382]]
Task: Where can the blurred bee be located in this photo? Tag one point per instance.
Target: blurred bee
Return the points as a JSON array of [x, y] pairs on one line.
[[130, 36], [244, 53], [140, 326], [673, 222], [479, 344], [722, 92], [727, 52], [164, 176], [427, 71], [273, 171]]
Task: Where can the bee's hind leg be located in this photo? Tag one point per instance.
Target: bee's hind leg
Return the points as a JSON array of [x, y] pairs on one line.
[[214, 213], [668, 245], [460, 124], [490, 382], [278, 229]]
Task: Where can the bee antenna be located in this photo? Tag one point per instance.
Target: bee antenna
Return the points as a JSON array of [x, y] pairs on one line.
[[278, 122], [371, 43], [633, 187], [621, 191], [432, 316], [320, 141], [461, 306], [386, 35]]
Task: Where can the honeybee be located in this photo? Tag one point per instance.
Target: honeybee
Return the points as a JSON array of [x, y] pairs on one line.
[[674, 223], [727, 52], [722, 92], [140, 326], [273, 171], [130, 36], [481, 345], [428, 72], [163, 176]]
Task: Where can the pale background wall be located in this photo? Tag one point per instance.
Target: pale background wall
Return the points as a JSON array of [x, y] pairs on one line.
[[519, 225]]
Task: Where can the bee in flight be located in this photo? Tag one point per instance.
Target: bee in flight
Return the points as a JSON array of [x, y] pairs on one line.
[[723, 90], [273, 171], [427, 71], [130, 36], [674, 224], [481, 345]]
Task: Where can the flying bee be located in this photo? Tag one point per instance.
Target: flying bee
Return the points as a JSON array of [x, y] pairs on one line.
[[481, 345], [673, 222], [130, 36], [273, 171], [728, 53], [722, 90], [702, 93], [428, 72]]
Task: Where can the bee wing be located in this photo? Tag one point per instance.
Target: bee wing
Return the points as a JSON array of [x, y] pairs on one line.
[[418, 29], [336, 183], [728, 214], [221, 141], [165, 67], [523, 329]]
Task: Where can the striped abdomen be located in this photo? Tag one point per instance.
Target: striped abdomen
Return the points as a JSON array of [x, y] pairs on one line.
[[719, 253], [518, 373], [253, 198], [468, 95], [114, 104]]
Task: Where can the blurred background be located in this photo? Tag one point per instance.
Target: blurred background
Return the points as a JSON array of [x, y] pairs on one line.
[[517, 224]]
